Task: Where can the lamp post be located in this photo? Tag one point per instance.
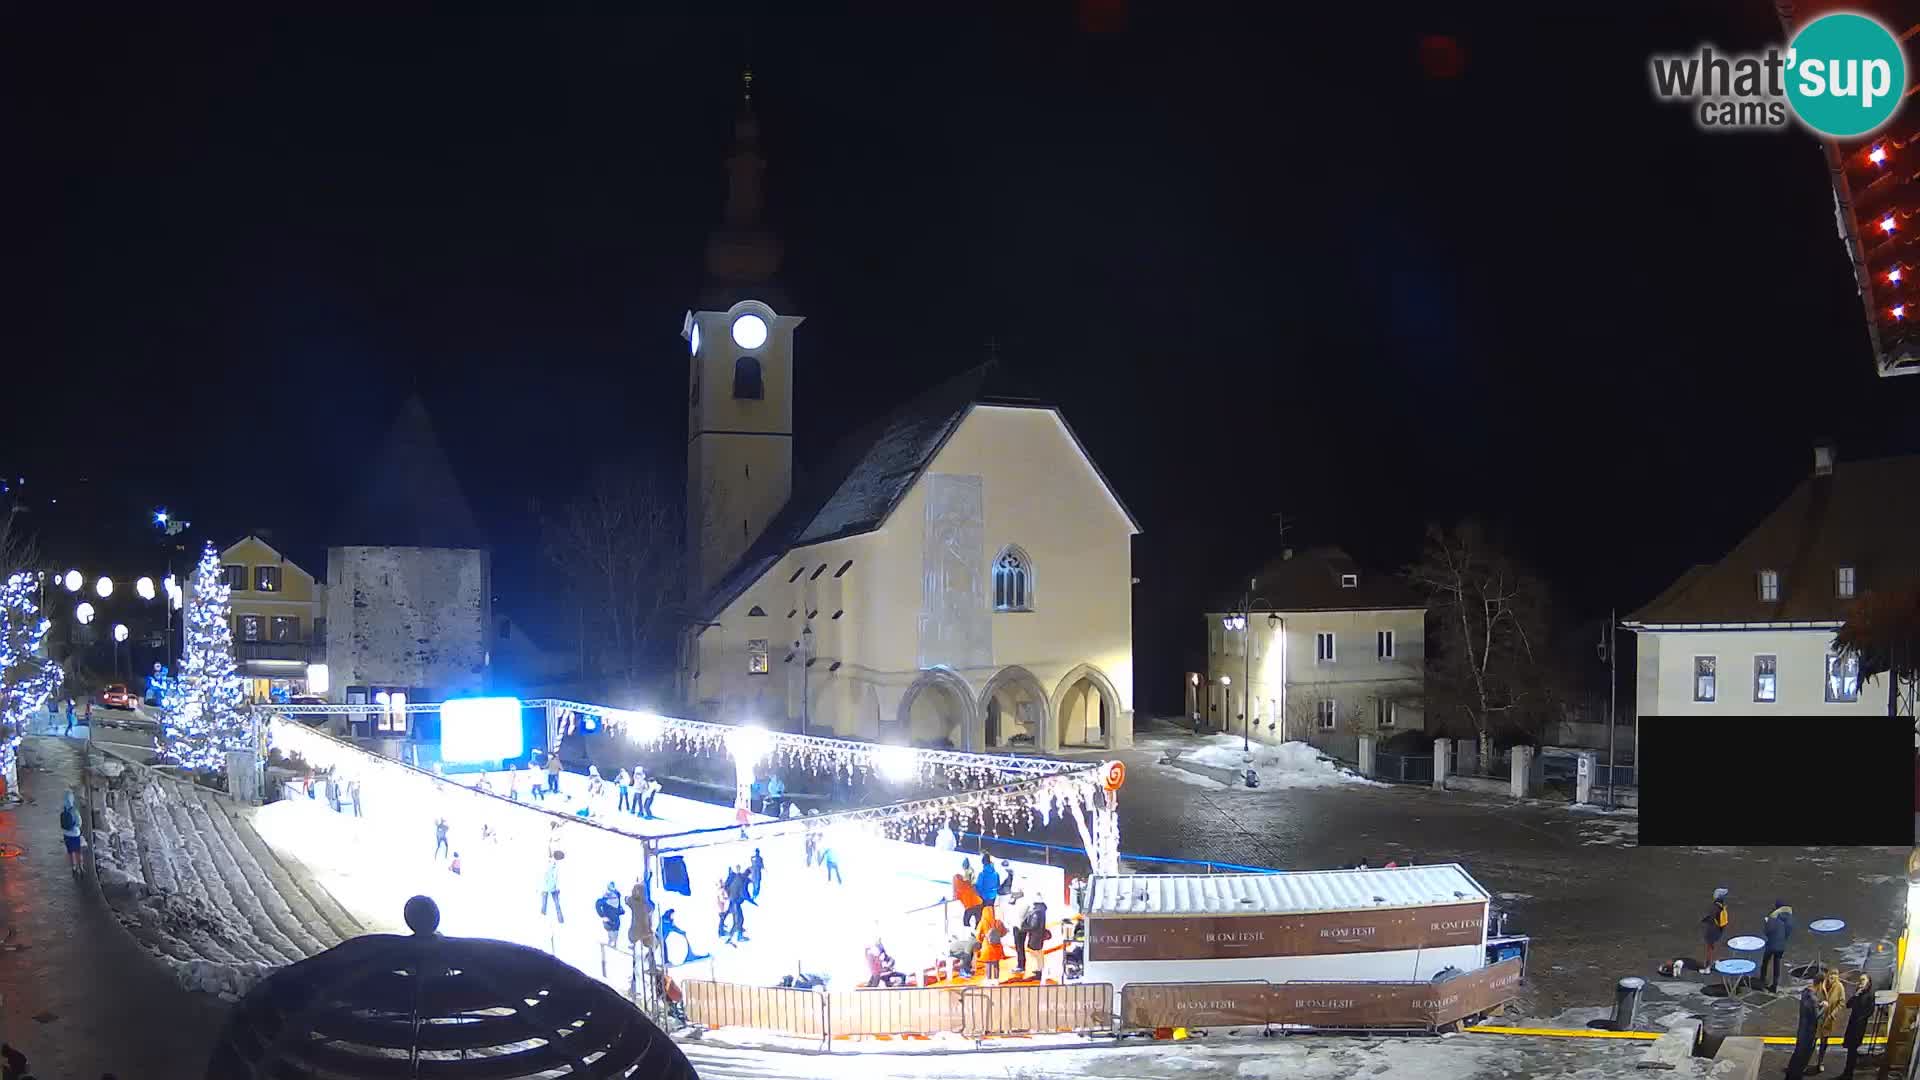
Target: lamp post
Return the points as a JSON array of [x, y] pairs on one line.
[[1243, 622], [806, 662]]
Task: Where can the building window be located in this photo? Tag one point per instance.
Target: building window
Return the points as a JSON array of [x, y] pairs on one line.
[[757, 612], [392, 719], [1383, 644], [1703, 688], [1323, 647], [247, 626], [1766, 684], [1327, 714], [1213, 637], [1843, 677], [320, 632], [285, 627], [1843, 581], [1769, 585], [266, 579], [757, 656], [1012, 581], [844, 567], [1349, 581], [746, 379], [1385, 712], [235, 577]]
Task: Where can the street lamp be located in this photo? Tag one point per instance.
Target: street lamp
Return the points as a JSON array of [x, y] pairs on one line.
[[1242, 623], [144, 587], [84, 613], [73, 581], [119, 637], [104, 587]]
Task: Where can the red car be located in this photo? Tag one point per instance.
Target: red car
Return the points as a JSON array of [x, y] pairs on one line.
[[116, 697]]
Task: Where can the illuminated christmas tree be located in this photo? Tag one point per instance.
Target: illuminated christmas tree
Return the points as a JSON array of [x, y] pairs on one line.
[[202, 712], [26, 675]]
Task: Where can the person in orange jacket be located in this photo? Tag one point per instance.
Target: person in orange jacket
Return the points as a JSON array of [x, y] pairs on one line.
[[994, 951], [968, 896]]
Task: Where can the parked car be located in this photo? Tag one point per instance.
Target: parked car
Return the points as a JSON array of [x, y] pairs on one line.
[[117, 696]]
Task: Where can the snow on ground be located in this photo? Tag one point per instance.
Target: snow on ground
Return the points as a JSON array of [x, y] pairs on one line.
[[1286, 765]]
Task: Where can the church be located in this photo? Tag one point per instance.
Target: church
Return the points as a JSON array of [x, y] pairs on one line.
[[958, 574]]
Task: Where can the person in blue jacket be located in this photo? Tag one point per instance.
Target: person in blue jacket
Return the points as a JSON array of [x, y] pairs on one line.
[[1779, 930], [988, 883]]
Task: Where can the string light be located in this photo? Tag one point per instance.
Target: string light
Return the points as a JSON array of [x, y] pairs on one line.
[[1886, 224], [1899, 311], [1878, 155], [1893, 276]]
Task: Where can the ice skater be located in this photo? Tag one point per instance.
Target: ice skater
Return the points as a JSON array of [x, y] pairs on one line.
[[733, 893], [610, 912], [668, 928], [353, 788], [439, 838], [534, 785], [550, 888], [623, 784], [756, 869], [69, 730], [1006, 880], [639, 787], [831, 865], [595, 785], [553, 773]]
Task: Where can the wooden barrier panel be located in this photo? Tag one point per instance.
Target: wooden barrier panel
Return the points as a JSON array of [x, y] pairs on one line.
[[1037, 1008], [769, 1008], [1320, 1004], [909, 1011], [1216, 937], [1195, 1005]]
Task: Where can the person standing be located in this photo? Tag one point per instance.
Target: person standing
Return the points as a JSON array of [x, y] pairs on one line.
[[610, 912], [86, 714], [831, 863], [756, 869], [639, 787], [595, 785], [70, 832], [736, 895], [439, 838], [69, 730], [535, 788], [1832, 994], [988, 883], [1804, 1034], [995, 950], [966, 894], [776, 795], [353, 786], [1714, 923], [944, 840], [550, 888], [813, 845], [1859, 1014], [553, 773], [623, 784], [1779, 930], [1031, 934]]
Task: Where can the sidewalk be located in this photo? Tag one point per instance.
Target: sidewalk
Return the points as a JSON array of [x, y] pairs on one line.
[[78, 997]]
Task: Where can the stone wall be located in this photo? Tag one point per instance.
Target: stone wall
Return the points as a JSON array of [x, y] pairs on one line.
[[413, 617]]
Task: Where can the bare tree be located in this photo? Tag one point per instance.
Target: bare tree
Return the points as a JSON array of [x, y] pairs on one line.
[[1882, 634], [619, 551], [1488, 669]]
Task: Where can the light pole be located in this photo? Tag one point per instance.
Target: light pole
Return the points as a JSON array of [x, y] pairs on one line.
[[1608, 649], [806, 663], [1243, 622]]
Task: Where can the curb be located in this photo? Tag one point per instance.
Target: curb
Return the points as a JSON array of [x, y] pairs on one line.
[[1579, 1033]]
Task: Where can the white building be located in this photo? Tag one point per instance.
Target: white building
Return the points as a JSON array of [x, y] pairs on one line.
[[1754, 631], [1336, 651], [959, 573]]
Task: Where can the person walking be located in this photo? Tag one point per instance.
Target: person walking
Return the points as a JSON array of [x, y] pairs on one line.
[[1779, 930], [69, 730], [623, 784], [353, 788], [831, 864], [535, 787], [1859, 1014], [640, 930], [1714, 923], [550, 888], [1804, 1034], [70, 832], [439, 838], [609, 908], [653, 792], [553, 773], [756, 869], [1031, 934], [736, 895]]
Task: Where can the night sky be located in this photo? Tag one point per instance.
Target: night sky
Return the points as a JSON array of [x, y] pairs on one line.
[[1265, 267]]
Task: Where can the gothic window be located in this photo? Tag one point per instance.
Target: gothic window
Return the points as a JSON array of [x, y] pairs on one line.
[[746, 378], [1012, 580]]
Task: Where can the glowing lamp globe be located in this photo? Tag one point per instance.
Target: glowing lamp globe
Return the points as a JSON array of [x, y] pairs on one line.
[[144, 587], [73, 581], [749, 331], [104, 587], [84, 613], [119, 631], [1878, 156], [693, 339], [1886, 223]]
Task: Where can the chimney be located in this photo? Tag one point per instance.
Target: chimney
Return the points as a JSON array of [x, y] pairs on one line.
[[1823, 458]]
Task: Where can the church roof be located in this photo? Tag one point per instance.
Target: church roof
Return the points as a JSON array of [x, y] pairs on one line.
[[410, 498], [1314, 580], [869, 473]]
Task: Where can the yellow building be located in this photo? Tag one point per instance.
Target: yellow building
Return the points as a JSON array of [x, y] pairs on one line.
[[958, 574], [279, 621]]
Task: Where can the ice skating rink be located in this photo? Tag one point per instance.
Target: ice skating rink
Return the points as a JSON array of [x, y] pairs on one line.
[[803, 922]]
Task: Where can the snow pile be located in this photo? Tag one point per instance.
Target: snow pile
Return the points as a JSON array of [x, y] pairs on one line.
[[1286, 765]]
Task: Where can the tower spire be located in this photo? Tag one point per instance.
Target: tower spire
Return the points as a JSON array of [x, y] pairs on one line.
[[743, 251]]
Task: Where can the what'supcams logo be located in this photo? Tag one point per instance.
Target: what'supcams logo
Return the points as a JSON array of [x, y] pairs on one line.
[[1843, 75]]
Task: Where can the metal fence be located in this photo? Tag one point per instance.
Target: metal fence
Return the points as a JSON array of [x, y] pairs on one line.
[[1623, 775], [973, 1011], [1404, 768]]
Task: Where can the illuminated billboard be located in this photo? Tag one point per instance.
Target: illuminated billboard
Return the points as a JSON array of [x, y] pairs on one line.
[[474, 730]]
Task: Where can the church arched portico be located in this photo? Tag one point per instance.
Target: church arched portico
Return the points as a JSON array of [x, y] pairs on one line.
[[938, 710], [1014, 704], [1086, 709]]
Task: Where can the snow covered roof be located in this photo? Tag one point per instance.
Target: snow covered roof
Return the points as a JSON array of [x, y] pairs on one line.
[[1282, 894]]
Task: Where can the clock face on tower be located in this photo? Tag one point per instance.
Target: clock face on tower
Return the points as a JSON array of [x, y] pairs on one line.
[[749, 331], [693, 338]]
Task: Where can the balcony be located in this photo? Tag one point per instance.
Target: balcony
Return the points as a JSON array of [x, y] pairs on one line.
[[301, 651]]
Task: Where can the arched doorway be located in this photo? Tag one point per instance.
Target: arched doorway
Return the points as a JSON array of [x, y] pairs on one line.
[[938, 710], [1014, 711], [1085, 709], [871, 718]]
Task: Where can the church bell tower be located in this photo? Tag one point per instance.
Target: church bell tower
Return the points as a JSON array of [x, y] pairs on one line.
[[740, 376]]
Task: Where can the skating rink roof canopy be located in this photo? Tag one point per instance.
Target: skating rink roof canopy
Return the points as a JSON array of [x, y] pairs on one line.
[[1284, 894]]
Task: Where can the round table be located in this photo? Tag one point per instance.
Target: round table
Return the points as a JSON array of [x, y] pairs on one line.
[[1734, 972], [1826, 927], [1746, 943]]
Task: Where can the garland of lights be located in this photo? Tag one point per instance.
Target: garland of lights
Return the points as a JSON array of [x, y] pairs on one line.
[[27, 678], [201, 712]]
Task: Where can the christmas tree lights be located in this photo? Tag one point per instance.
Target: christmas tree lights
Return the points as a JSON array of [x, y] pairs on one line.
[[27, 677], [203, 711]]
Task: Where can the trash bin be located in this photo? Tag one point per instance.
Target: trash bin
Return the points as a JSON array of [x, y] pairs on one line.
[[1626, 1002], [1879, 965], [1724, 1018]]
